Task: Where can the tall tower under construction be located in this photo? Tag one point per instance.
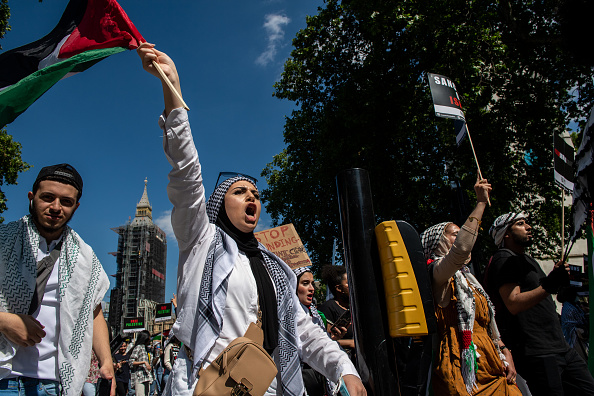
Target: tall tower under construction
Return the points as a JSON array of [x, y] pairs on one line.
[[141, 267]]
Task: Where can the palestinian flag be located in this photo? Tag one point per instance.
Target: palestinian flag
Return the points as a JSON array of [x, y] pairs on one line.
[[89, 30]]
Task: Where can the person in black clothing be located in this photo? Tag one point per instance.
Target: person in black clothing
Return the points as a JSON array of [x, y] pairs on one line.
[[122, 369], [335, 277], [526, 313]]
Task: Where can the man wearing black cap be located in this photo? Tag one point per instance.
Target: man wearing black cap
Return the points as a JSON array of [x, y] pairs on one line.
[[51, 287]]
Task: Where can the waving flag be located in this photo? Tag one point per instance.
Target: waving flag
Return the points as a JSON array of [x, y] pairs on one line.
[[584, 180], [89, 31]]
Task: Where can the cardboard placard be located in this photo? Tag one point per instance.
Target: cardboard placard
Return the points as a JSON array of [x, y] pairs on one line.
[[286, 244]]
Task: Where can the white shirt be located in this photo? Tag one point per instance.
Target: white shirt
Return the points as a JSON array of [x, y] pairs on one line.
[[194, 234], [41, 360]]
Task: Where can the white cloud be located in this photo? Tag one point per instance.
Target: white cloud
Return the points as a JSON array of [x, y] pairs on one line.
[[274, 25], [263, 224], [164, 223]]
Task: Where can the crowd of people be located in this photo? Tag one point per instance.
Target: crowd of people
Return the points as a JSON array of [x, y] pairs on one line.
[[54, 339], [143, 368]]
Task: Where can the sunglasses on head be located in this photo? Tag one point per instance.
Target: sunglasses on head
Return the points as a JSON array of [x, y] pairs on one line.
[[229, 175]]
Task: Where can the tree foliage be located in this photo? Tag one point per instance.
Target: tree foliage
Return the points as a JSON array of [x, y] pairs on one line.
[[10, 151], [358, 75]]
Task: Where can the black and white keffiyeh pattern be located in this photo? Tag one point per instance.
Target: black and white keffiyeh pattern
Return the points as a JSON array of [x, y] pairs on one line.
[[465, 284], [213, 291], [430, 238], [312, 309], [82, 284], [500, 225], [301, 270]]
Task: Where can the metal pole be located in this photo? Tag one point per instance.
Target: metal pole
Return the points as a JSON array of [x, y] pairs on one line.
[[376, 360], [562, 223]]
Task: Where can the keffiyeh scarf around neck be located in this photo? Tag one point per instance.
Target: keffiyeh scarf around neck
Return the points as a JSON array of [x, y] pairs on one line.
[[219, 263], [82, 283], [312, 311], [433, 240]]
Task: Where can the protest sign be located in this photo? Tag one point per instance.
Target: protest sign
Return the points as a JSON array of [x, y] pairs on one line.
[[286, 244], [162, 312], [133, 325], [445, 97], [447, 104], [563, 160]]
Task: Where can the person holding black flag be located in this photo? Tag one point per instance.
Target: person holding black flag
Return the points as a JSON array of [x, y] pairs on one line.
[[526, 312]]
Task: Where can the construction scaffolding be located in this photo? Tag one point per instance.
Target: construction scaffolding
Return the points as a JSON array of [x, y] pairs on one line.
[[141, 267]]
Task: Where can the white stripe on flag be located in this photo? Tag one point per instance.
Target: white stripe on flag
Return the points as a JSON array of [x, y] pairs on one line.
[[52, 58]]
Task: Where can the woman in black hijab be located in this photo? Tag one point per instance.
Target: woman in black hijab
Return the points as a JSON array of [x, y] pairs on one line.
[[225, 277]]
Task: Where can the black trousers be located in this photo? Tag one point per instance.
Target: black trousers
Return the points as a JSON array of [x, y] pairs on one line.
[[556, 374], [314, 382], [121, 388]]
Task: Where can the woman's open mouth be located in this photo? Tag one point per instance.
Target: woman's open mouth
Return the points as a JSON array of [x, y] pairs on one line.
[[250, 213]]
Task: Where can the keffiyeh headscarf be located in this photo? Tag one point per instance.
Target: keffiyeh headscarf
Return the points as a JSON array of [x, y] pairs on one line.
[[436, 247], [213, 290], [311, 310], [434, 237], [500, 225]]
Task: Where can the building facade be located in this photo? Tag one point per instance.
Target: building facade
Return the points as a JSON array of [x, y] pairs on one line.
[[141, 268]]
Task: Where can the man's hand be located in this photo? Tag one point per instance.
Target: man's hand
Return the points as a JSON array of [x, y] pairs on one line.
[[558, 277], [106, 372], [23, 330], [174, 300], [101, 348], [336, 333], [354, 385], [563, 264]]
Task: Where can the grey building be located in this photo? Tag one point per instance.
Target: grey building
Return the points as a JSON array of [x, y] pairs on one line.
[[141, 268]]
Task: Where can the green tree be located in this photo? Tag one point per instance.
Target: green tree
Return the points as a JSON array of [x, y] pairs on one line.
[[358, 75], [10, 151]]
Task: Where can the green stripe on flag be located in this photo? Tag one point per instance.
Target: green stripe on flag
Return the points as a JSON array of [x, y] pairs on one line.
[[15, 99]]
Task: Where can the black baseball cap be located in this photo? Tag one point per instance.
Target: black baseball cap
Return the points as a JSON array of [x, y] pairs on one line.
[[63, 173]]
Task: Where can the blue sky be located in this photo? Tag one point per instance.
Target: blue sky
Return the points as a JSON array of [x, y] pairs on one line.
[[104, 121]]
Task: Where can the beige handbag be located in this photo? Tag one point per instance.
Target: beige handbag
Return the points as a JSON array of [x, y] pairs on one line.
[[243, 368]]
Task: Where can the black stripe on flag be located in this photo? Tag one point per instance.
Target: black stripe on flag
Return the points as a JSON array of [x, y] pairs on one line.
[[18, 63], [564, 157]]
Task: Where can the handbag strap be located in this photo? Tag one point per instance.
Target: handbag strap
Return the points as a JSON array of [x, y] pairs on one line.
[[45, 267], [254, 332]]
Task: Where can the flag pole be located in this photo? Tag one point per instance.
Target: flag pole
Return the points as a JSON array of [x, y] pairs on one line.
[[171, 87], [590, 243], [475, 158], [562, 222]]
